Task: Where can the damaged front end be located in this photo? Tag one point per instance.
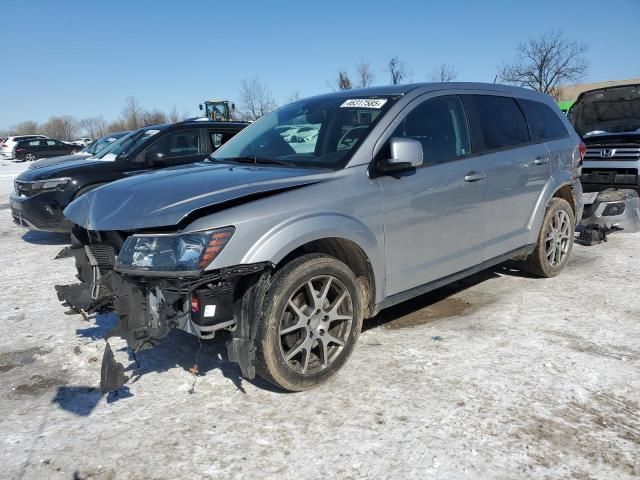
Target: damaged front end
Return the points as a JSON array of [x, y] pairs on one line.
[[150, 301]]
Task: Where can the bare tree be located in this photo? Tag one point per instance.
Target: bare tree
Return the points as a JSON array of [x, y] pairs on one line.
[[365, 74], [295, 96], [255, 99], [398, 70], [546, 62], [175, 116], [444, 73], [343, 81], [93, 127], [116, 126], [132, 114], [63, 128], [152, 117], [24, 128]]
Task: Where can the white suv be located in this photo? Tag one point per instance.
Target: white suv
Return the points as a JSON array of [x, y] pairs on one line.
[[7, 146]]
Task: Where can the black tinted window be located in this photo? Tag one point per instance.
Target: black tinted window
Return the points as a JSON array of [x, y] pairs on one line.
[[177, 144], [440, 125], [497, 122], [544, 123], [218, 139]]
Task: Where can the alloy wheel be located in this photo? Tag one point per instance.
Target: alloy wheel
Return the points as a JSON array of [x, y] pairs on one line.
[[558, 238], [315, 324]]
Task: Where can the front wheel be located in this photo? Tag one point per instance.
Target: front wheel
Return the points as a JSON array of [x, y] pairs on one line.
[[555, 240], [311, 320]]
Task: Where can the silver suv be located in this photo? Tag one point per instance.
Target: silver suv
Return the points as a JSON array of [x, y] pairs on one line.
[[324, 212]]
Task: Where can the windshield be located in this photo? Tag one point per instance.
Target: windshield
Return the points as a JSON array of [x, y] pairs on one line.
[[613, 110], [98, 145], [105, 153], [127, 144], [322, 132]]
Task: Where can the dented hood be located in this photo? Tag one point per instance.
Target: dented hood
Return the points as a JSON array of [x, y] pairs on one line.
[[165, 197]]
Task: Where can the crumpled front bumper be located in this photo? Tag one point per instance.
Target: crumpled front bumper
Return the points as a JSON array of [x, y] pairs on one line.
[[150, 307]]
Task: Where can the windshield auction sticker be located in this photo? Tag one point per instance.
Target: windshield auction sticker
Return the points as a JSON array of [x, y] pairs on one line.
[[364, 103]]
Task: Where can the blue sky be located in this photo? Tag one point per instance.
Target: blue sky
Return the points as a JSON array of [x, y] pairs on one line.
[[83, 58]]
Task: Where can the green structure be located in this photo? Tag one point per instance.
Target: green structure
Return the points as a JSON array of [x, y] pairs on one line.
[[565, 105]]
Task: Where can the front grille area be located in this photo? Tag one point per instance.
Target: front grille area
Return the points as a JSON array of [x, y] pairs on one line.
[[620, 176], [618, 151], [104, 255]]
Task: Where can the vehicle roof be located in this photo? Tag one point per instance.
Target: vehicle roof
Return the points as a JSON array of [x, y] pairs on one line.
[[115, 134], [426, 87], [199, 121]]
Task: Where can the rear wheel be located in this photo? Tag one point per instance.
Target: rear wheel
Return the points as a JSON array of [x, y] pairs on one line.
[[554, 242], [312, 317], [30, 157]]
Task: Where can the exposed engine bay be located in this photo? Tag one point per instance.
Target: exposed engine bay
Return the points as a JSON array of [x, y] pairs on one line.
[[150, 306]]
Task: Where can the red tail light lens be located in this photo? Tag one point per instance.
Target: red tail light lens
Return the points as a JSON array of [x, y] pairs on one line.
[[583, 150]]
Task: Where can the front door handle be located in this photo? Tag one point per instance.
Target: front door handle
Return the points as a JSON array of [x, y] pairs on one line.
[[474, 176], [541, 160]]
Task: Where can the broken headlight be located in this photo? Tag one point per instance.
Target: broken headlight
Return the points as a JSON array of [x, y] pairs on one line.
[[186, 252]]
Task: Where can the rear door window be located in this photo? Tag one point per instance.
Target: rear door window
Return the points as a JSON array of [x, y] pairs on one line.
[[496, 122], [183, 143], [218, 139], [544, 123], [440, 125]]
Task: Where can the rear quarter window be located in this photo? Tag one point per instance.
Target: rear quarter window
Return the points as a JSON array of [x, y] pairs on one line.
[[544, 123], [496, 122]]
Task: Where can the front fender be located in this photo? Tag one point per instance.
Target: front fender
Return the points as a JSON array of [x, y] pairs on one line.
[[282, 239]]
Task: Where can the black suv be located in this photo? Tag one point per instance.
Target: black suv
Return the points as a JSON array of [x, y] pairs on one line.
[[42, 194], [35, 148]]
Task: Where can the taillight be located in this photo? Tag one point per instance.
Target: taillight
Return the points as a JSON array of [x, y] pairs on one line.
[[19, 149], [583, 150]]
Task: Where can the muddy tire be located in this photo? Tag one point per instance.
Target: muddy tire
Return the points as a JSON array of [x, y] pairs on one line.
[[555, 240], [311, 319]]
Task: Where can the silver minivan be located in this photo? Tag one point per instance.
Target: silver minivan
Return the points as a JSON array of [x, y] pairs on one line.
[[324, 212]]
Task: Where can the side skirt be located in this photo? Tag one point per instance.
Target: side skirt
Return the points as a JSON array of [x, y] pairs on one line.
[[441, 282]]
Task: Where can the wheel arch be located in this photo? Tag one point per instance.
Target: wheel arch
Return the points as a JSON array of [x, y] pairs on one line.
[[344, 238], [560, 185]]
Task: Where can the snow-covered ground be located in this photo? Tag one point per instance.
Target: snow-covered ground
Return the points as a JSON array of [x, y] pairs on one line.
[[500, 376]]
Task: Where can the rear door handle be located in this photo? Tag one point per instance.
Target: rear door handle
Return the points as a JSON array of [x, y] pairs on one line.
[[541, 160], [474, 176]]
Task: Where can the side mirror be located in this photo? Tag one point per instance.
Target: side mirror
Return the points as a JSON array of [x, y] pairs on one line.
[[406, 154], [233, 106], [200, 106]]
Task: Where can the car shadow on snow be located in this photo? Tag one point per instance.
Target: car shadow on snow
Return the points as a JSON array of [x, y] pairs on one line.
[[177, 349], [442, 296], [102, 324], [199, 357], [46, 238]]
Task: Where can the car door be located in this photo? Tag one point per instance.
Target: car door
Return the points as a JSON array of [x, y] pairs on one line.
[[433, 219], [49, 148], [176, 148], [516, 169]]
